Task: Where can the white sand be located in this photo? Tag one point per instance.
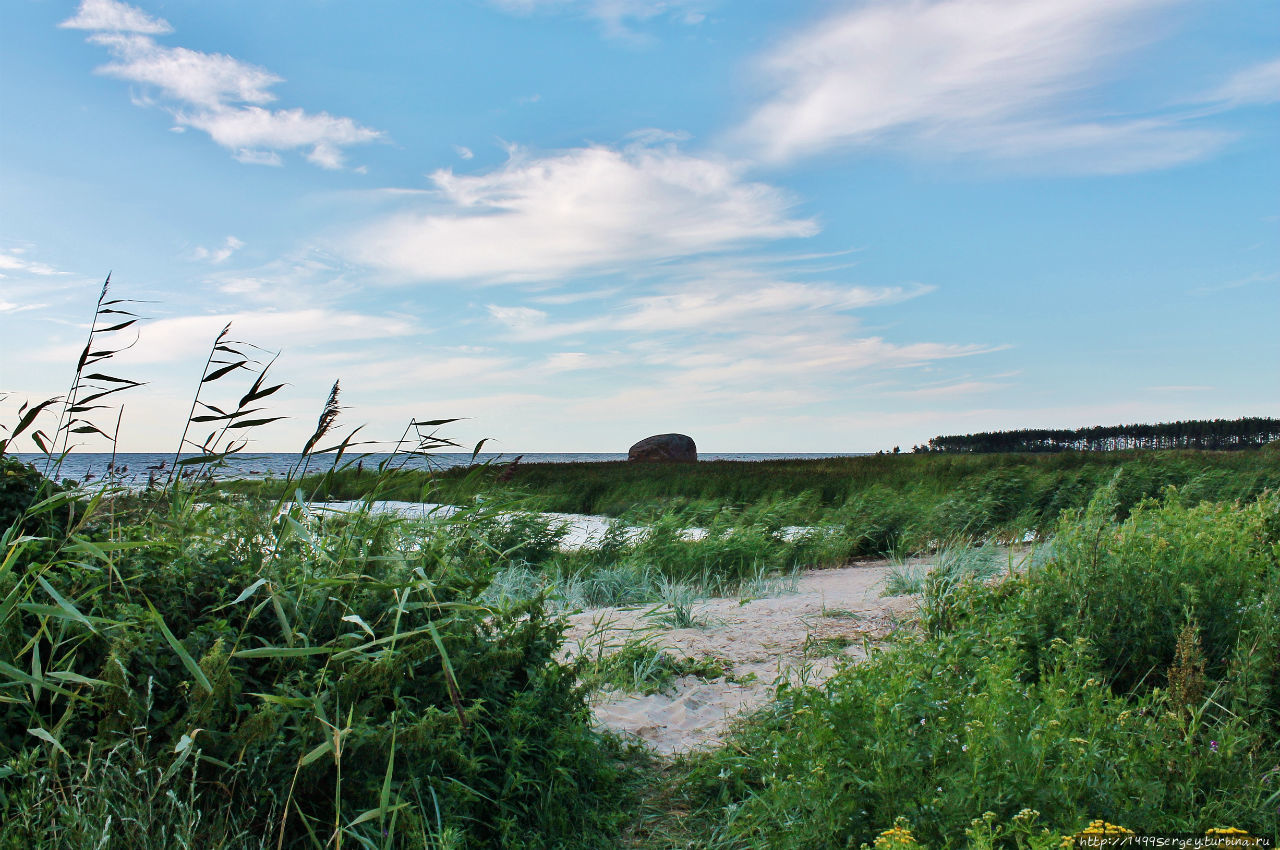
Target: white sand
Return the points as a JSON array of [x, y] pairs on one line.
[[767, 637]]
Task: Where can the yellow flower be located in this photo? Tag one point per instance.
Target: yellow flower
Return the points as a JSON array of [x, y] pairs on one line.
[[1101, 827], [897, 836]]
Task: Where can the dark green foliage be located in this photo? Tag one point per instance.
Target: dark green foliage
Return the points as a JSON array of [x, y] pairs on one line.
[[1129, 589], [1029, 693], [20, 487], [1209, 434], [516, 538], [324, 670]]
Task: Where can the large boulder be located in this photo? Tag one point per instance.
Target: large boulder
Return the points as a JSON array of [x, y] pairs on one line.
[[671, 448]]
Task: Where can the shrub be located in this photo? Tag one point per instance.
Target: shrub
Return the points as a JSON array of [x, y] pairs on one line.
[[339, 672], [991, 710], [21, 487], [1129, 588]]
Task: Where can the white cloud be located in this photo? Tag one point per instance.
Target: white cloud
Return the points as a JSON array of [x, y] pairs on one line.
[[963, 388], [718, 343], [208, 80], [587, 209], [12, 260], [1255, 85], [575, 297], [252, 130], [616, 14], [709, 308], [463, 152], [520, 319], [308, 275], [1118, 147], [184, 337], [428, 371], [726, 309], [570, 361], [221, 254], [218, 94], [795, 360], [110, 16], [983, 77], [252, 157], [11, 307]]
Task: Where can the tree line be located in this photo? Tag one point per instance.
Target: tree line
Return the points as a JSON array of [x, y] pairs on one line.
[[1209, 434]]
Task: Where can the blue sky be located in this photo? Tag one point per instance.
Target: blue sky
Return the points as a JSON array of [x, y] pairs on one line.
[[805, 226]]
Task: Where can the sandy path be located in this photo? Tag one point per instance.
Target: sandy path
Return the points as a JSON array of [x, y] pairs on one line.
[[798, 635]]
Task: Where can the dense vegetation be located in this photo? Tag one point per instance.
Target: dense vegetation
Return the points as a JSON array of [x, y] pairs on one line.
[[234, 673], [880, 504], [239, 676], [1207, 434], [229, 668], [1133, 677]]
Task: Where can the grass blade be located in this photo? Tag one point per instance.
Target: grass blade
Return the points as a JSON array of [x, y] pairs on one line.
[[185, 657]]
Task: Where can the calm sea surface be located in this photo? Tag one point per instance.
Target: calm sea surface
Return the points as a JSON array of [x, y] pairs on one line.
[[135, 467]]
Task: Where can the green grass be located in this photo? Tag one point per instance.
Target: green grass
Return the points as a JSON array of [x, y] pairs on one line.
[[641, 666], [1133, 676]]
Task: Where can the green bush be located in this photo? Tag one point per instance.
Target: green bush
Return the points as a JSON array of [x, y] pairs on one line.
[[21, 486], [1130, 588], [1002, 704], [338, 672]]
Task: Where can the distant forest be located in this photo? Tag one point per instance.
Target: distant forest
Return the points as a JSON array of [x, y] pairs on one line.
[[1213, 434]]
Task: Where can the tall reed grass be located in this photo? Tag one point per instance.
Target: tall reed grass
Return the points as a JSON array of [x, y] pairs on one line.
[[181, 665]]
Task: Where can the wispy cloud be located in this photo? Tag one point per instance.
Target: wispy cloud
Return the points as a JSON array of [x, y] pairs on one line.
[[588, 209], [220, 254], [308, 274], [617, 16], [110, 16], [1248, 280], [256, 157], [185, 337], [960, 389], [973, 77], [1258, 84], [709, 308], [13, 307], [218, 94], [717, 344], [11, 260], [778, 361]]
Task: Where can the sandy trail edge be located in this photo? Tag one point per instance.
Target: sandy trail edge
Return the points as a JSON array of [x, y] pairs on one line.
[[769, 637]]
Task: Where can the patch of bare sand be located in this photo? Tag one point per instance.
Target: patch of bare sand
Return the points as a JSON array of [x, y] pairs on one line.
[[804, 634]]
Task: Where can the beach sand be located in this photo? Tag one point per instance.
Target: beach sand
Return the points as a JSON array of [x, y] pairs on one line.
[[801, 635]]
